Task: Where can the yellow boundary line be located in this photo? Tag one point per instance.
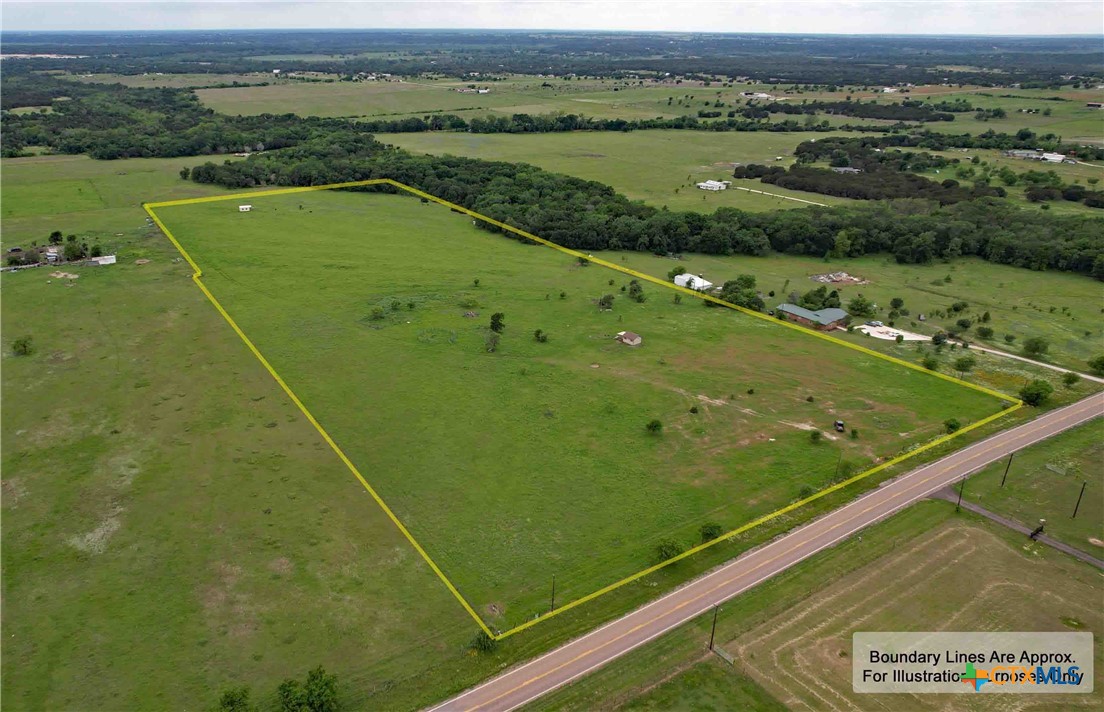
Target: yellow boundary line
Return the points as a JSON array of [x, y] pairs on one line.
[[197, 274]]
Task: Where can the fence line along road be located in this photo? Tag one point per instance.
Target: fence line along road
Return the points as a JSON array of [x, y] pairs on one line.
[[578, 657]]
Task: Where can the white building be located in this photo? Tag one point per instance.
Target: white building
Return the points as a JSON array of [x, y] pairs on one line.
[[244, 208], [101, 261], [714, 185], [1053, 157], [693, 282]]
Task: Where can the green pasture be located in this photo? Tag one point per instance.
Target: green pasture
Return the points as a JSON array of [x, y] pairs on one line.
[[659, 167], [534, 460], [171, 81], [1044, 482], [1019, 301]]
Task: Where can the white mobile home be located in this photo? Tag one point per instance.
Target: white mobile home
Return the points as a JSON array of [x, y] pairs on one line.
[[693, 282]]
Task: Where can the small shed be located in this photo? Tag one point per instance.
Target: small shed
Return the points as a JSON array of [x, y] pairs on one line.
[[244, 208], [629, 338], [104, 260]]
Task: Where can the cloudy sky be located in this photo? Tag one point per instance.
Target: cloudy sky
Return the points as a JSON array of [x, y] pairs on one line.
[[938, 17]]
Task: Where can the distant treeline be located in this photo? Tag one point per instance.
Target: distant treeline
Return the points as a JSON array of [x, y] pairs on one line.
[[115, 121], [587, 215], [877, 184], [929, 140], [906, 111]]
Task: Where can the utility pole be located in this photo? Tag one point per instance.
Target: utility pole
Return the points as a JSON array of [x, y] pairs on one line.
[[961, 486], [553, 594], [713, 633], [1078, 505], [1005, 477]]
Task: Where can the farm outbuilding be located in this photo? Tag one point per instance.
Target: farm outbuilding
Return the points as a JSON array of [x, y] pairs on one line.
[[693, 282], [822, 319], [244, 208], [629, 338], [714, 185]]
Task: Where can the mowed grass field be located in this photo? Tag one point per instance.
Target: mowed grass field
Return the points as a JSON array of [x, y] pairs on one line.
[[1063, 308], [512, 466], [676, 671], [1044, 482], [659, 167], [955, 577]]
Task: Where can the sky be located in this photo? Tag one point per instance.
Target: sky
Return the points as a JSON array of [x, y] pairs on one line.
[[934, 17]]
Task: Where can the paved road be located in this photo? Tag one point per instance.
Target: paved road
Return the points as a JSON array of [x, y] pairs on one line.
[[529, 681]]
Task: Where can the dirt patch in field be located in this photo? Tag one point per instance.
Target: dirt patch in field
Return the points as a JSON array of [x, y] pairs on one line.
[[281, 565], [1095, 542], [64, 275], [142, 261], [13, 491], [494, 610], [95, 541]]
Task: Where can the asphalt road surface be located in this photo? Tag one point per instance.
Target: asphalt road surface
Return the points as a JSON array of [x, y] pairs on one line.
[[572, 660]]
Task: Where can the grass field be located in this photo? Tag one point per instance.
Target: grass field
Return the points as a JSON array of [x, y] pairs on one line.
[[1019, 301], [521, 481], [655, 676], [1044, 482], [171, 81], [658, 167], [956, 577]]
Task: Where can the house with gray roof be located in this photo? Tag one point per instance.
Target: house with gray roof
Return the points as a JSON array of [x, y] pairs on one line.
[[822, 319]]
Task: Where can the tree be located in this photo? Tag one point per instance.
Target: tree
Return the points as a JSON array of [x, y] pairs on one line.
[[236, 699], [860, 306], [930, 362], [1036, 392], [951, 425], [1035, 346], [636, 292], [984, 332], [710, 531], [654, 426], [96, 251], [964, 323], [1009, 338], [965, 364], [55, 237], [1070, 378], [1096, 365], [540, 336], [184, 173], [72, 251], [498, 322], [677, 298], [319, 694], [668, 549], [939, 338], [605, 303], [900, 338], [675, 272], [23, 346], [896, 303]]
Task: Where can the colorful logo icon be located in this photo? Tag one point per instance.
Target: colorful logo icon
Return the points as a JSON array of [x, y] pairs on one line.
[[977, 678]]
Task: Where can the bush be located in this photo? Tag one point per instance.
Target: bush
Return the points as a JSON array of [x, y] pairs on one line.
[[951, 425], [498, 322], [319, 694], [693, 409], [540, 336], [23, 346], [1070, 379], [810, 399], [236, 699], [984, 332], [1096, 365], [930, 362], [805, 492], [1036, 392], [710, 531], [939, 338], [854, 433], [1009, 338], [816, 436], [377, 313], [483, 643], [654, 426], [668, 549], [900, 338], [1035, 346]]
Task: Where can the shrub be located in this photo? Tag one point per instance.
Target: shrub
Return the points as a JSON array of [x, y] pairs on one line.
[[236, 699], [540, 336], [23, 346], [710, 531], [1036, 392], [751, 391], [1035, 346], [1009, 338], [668, 549], [939, 338], [984, 332], [654, 427], [900, 338], [693, 409], [854, 433], [1070, 378], [930, 362], [810, 399], [483, 643], [1096, 365], [498, 322], [951, 425], [805, 492], [816, 436]]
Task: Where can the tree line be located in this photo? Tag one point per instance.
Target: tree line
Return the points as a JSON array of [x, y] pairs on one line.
[[588, 215]]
